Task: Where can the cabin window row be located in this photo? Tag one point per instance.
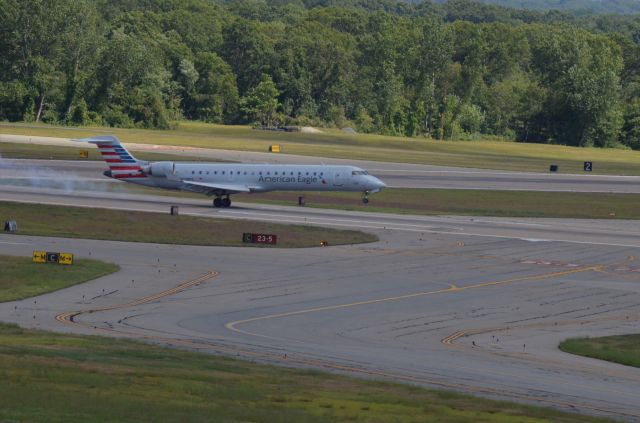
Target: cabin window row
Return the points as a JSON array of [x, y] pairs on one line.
[[237, 172]]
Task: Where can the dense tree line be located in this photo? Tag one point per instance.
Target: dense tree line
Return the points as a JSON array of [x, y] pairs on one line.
[[456, 70]]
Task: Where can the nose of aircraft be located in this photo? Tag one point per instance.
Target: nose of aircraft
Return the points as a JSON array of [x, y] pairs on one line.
[[377, 183]]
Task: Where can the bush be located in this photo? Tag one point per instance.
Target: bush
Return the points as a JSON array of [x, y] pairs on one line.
[[115, 117], [470, 118], [80, 115], [50, 117], [336, 116], [95, 118], [364, 122]]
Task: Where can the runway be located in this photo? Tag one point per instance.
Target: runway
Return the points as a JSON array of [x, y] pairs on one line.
[[475, 305], [395, 175]]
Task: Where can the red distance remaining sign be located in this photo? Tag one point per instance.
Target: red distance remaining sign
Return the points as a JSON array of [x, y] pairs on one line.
[[260, 238], [264, 239]]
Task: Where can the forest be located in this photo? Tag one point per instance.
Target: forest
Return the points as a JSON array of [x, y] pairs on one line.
[[456, 70]]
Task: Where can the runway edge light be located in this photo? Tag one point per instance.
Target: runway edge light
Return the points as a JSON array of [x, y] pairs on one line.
[[10, 226]]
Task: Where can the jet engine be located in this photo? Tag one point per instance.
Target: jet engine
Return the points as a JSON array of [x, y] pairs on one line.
[[161, 169]]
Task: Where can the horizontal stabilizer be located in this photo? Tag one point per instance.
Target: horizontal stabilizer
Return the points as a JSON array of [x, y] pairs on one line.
[[100, 139]]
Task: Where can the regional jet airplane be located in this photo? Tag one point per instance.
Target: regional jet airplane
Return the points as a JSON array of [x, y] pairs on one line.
[[222, 180]]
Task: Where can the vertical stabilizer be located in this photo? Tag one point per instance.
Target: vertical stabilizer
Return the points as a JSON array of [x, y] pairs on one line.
[[122, 164]]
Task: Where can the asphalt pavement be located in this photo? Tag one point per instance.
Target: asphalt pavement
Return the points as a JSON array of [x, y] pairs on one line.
[[475, 305]]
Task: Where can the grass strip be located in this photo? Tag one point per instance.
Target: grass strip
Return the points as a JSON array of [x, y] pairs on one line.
[[48, 377], [476, 154], [21, 278], [80, 222], [622, 349], [10, 150], [472, 203]]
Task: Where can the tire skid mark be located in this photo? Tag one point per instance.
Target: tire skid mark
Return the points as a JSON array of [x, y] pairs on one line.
[[68, 317]]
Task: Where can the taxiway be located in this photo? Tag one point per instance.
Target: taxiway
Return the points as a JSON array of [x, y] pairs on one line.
[[477, 305]]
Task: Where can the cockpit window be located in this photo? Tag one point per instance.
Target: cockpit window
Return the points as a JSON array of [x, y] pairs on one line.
[[359, 172]]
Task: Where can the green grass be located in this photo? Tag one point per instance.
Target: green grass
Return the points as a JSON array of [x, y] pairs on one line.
[[480, 154], [51, 152], [79, 222], [47, 377], [472, 203], [623, 349], [21, 278]]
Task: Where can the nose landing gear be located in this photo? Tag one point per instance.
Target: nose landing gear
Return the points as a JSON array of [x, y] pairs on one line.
[[365, 199]]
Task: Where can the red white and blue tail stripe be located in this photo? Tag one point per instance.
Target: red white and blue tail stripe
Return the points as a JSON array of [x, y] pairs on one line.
[[122, 165]]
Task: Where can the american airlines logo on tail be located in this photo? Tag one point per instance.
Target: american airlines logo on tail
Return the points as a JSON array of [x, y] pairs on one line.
[[121, 163]]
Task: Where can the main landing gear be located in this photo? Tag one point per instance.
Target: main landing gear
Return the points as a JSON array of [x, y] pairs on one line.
[[365, 199], [222, 202]]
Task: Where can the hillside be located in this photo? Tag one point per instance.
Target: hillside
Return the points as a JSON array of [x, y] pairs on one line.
[[580, 6]]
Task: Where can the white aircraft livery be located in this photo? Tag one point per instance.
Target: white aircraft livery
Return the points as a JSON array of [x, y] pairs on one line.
[[223, 179]]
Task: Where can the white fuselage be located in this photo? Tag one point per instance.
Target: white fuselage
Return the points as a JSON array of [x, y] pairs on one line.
[[260, 178], [220, 180]]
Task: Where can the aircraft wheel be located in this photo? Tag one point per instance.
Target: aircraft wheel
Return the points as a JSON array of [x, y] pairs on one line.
[[365, 200], [217, 202], [226, 202]]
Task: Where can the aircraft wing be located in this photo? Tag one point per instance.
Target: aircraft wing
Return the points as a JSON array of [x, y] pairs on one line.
[[215, 188]]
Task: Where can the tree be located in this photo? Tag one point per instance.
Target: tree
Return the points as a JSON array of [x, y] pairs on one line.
[[37, 34], [364, 122], [432, 58], [470, 118], [133, 82], [214, 97], [261, 102], [582, 72], [82, 44], [248, 51]]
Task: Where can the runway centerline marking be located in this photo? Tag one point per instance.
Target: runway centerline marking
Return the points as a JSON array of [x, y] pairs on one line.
[[15, 243], [452, 288]]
